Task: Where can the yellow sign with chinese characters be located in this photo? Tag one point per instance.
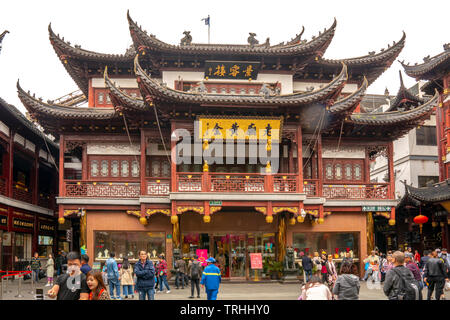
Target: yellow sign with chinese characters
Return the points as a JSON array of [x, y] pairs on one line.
[[240, 128]]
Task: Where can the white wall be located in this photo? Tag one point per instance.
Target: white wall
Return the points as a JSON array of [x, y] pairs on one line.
[[120, 82]]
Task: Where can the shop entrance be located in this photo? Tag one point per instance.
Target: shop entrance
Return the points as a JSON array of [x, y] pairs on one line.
[[232, 251]]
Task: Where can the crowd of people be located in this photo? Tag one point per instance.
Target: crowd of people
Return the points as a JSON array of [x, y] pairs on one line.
[[403, 274]]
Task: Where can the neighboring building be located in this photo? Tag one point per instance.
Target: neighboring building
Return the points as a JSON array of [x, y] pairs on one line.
[[28, 186], [119, 153]]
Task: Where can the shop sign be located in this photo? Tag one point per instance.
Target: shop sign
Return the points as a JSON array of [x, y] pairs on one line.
[[231, 70], [215, 203], [23, 224], [69, 235], [4, 221], [46, 227], [376, 208], [202, 256], [256, 261]]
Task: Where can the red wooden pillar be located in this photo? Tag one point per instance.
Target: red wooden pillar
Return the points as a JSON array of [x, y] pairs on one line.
[[319, 165], [9, 186], [390, 149], [62, 148], [91, 97], [291, 158], [143, 168], [84, 163], [173, 156], [299, 159], [366, 167], [35, 183], [439, 137]]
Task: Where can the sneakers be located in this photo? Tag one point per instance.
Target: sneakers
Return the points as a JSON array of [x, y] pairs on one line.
[[168, 291], [198, 296], [191, 297], [48, 285]]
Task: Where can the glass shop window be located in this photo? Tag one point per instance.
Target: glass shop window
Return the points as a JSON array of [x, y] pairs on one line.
[[426, 136], [330, 242]]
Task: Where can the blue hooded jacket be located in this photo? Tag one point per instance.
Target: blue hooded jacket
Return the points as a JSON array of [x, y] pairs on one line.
[[145, 275], [211, 277], [112, 270]]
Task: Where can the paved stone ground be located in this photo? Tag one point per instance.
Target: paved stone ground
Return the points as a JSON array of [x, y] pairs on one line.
[[232, 291]]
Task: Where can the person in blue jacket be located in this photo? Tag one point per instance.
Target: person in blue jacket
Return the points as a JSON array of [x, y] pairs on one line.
[[145, 275], [211, 279]]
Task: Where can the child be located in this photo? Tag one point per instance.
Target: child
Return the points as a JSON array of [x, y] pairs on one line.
[[95, 283]]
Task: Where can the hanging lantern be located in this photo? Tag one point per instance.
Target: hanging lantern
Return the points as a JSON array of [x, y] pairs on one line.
[[292, 221], [420, 220], [269, 219], [206, 219], [143, 220], [314, 222], [391, 222], [434, 224], [61, 220], [300, 219], [174, 219], [320, 221], [205, 144]]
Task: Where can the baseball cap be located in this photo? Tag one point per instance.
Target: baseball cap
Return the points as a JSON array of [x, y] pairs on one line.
[[211, 259]]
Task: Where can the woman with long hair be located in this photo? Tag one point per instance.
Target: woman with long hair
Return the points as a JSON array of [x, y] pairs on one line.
[[331, 271], [315, 290], [323, 266], [126, 278], [98, 289], [347, 284]]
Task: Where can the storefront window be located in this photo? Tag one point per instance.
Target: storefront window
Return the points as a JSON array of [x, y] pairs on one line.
[[128, 244], [45, 246], [23, 246], [330, 242]]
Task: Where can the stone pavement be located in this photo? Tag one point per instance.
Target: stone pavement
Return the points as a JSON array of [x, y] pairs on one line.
[[231, 291]]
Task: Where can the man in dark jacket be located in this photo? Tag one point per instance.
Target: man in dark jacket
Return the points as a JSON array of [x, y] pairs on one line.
[[145, 277], [393, 284], [424, 259], [195, 273], [307, 266], [180, 267], [435, 274]]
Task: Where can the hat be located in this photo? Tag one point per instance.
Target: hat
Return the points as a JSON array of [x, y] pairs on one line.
[[211, 260]]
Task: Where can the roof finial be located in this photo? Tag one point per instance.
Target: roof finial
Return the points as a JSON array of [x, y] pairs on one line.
[[1, 38], [251, 39], [401, 79]]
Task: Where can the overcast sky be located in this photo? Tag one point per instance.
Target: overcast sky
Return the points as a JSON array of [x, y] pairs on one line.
[[101, 26]]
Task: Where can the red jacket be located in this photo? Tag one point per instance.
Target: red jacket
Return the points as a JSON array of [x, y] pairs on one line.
[[162, 267]]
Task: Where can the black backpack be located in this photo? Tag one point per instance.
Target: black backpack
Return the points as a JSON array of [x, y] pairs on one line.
[[409, 289], [195, 268]]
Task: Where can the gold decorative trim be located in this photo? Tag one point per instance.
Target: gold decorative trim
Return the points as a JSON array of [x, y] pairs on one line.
[[195, 209], [136, 213], [167, 212], [293, 210], [327, 213], [70, 212], [3, 210], [385, 214], [263, 210], [314, 213], [214, 209]]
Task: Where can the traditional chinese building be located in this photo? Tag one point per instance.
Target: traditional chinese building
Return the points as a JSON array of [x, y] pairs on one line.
[[302, 180], [28, 186]]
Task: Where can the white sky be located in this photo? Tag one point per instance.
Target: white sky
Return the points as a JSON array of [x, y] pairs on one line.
[[101, 26]]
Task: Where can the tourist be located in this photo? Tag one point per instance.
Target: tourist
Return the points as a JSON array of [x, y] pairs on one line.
[[162, 273], [85, 268], [112, 271], [126, 278], [50, 270], [435, 274], [71, 285], [145, 277], [180, 267], [386, 266], [416, 257], [98, 289], [58, 263], [211, 279], [35, 266], [396, 277], [195, 273], [317, 261], [105, 274], [347, 258], [412, 266], [331, 271], [373, 257], [307, 266], [315, 290], [347, 284], [323, 270]]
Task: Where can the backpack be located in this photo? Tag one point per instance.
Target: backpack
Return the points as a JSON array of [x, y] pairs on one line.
[[195, 268], [409, 290]]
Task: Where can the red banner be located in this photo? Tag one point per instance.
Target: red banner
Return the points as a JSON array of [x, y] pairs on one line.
[[202, 256], [256, 260]]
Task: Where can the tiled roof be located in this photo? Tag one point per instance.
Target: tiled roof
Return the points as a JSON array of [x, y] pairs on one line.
[[435, 193], [428, 69]]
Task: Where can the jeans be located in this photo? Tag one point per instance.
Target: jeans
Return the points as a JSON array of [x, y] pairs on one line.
[[150, 293], [36, 275], [308, 274], [128, 290], [163, 282], [211, 294], [196, 283], [179, 278], [114, 283], [366, 274], [439, 284]]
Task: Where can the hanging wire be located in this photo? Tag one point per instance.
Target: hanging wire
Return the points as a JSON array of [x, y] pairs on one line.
[[317, 129], [160, 132], [48, 150], [129, 138]]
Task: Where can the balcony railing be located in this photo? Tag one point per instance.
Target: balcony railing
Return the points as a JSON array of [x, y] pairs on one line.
[[311, 187], [189, 182], [236, 182], [356, 191], [2, 186], [102, 189], [158, 186], [285, 183], [22, 193]]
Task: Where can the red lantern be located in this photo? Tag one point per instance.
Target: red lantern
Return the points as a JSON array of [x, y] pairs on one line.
[[420, 220]]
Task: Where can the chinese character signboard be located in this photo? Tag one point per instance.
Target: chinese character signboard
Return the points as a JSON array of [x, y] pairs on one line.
[[240, 128], [202, 256], [256, 261], [23, 224], [231, 70], [4, 221]]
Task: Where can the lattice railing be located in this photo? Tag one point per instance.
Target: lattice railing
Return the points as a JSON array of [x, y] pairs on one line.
[[22, 194], [356, 191], [102, 189], [2, 186], [311, 187], [158, 186], [285, 183], [236, 182], [189, 182]]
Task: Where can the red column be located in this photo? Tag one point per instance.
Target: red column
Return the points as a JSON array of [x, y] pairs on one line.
[[291, 158], [143, 168], [35, 184], [84, 163], [9, 186], [91, 97], [173, 153], [439, 138], [319, 165], [299, 158], [62, 147], [366, 167], [390, 148]]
